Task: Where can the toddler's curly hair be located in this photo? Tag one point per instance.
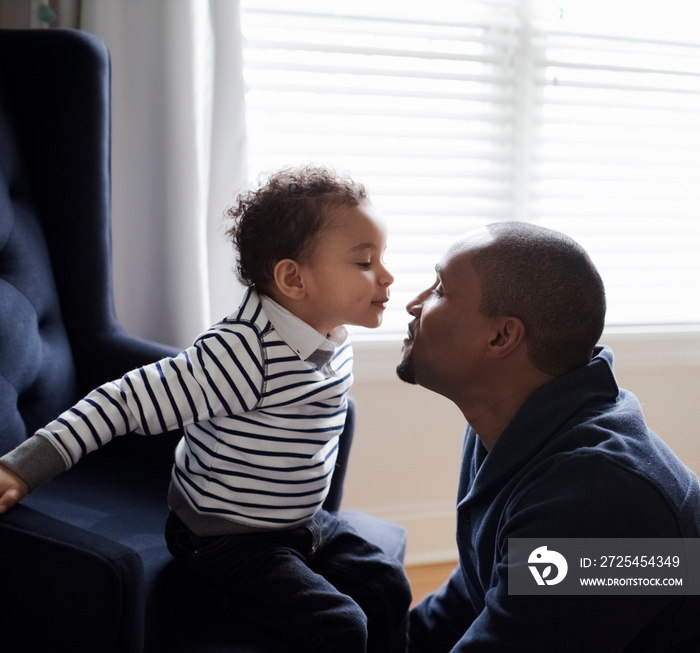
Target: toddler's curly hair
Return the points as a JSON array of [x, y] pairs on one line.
[[284, 217]]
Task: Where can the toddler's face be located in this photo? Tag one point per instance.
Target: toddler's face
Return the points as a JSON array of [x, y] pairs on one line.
[[346, 277]]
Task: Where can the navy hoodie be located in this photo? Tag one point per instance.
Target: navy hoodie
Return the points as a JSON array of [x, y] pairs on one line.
[[577, 461]]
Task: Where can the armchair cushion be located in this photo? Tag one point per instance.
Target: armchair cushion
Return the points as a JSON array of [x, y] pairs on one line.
[[126, 509]]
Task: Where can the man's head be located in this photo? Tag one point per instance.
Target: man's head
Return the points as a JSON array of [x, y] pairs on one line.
[[508, 279], [548, 281]]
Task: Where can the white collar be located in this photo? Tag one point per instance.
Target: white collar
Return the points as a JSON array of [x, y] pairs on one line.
[[299, 335]]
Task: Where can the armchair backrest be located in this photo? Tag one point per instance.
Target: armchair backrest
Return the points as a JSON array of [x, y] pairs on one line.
[[55, 286]]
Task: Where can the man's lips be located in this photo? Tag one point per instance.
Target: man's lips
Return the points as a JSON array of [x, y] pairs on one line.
[[409, 336]]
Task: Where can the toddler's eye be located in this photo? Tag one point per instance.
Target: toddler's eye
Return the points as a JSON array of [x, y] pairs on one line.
[[365, 264]]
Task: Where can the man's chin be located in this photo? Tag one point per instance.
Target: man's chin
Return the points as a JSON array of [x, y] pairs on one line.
[[405, 370]]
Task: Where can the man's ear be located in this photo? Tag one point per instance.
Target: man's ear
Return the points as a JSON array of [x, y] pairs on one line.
[[508, 334], [288, 279]]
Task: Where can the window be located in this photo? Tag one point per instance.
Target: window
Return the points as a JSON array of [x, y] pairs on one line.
[[571, 114]]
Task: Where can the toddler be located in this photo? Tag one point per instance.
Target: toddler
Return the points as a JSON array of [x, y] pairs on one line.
[[261, 399]]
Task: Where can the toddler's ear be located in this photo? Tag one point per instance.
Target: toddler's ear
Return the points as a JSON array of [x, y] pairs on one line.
[[288, 279]]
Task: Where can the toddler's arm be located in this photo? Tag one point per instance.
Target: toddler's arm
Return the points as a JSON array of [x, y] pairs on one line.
[[220, 375]]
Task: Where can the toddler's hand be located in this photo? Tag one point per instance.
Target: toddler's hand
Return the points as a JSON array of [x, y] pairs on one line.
[[12, 489]]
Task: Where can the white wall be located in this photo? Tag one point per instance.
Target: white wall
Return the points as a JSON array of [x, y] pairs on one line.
[[406, 454]]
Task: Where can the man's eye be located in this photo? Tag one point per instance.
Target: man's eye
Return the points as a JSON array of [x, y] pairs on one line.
[[438, 291]]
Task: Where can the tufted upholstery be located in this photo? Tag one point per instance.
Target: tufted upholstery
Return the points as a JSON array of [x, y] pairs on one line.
[[83, 561], [37, 374]]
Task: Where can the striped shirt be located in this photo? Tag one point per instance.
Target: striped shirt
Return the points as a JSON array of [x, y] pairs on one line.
[[260, 423]]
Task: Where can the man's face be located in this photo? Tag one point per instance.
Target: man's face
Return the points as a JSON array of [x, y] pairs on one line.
[[447, 337]]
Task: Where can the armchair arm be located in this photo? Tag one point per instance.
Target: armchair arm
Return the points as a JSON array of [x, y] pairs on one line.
[[63, 584], [335, 494]]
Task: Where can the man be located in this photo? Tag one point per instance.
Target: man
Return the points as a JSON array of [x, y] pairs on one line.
[[553, 449]]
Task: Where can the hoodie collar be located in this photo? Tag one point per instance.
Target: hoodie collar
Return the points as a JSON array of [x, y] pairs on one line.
[[539, 420]]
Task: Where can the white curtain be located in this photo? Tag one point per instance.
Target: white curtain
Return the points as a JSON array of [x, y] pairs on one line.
[[178, 159]]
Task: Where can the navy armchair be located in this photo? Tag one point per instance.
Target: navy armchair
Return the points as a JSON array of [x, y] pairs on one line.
[[83, 562]]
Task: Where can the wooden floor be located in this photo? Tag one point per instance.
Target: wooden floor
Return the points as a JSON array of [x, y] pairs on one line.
[[425, 579]]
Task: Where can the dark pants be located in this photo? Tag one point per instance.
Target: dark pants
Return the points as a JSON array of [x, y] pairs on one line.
[[319, 586]]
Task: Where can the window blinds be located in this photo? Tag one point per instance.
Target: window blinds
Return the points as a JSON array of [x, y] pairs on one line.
[[614, 157], [455, 114]]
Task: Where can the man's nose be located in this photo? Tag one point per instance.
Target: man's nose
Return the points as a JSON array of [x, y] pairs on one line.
[[415, 306]]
